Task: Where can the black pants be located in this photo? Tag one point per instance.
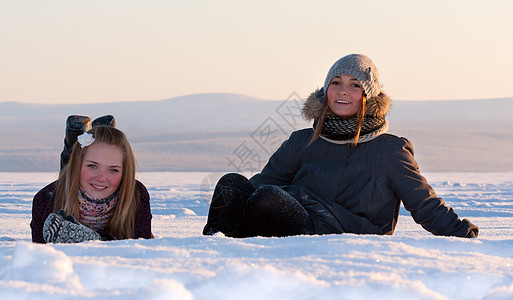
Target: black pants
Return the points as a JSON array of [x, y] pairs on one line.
[[239, 210]]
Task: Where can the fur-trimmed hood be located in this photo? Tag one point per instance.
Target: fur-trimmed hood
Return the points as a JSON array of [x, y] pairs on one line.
[[376, 107]]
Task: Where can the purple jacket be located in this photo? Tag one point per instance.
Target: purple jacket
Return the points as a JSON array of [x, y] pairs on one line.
[[42, 206]]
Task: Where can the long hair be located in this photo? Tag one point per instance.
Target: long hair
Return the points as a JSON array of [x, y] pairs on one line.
[[325, 110], [121, 224]]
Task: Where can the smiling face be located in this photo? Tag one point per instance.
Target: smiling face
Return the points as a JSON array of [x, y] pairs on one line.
[[345, 94], [102, 170]]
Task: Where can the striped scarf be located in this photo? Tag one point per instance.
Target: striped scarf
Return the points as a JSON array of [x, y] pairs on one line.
[[343, 131]]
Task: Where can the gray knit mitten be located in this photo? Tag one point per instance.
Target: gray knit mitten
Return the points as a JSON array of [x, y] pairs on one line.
[[59, 228]]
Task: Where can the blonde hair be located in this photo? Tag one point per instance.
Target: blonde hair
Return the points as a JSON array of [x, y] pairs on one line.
[[325, 110], [121, 224]]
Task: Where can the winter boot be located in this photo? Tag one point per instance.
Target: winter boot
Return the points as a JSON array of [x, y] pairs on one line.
[[107, 120], [59, 228], [75, 126]]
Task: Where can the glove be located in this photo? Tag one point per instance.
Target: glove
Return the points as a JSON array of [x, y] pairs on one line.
[[59, 228]]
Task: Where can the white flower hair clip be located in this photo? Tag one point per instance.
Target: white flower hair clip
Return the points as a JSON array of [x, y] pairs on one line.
[[85, 139]]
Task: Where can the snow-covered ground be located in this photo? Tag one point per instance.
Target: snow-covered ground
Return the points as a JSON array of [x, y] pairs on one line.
[[180, 263]]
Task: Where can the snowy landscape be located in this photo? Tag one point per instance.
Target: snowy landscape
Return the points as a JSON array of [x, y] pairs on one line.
[[180, 263], [183, 145], [200, 132], [205, 88]]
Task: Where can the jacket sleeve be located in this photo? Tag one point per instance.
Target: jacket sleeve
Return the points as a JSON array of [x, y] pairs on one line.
[[142, 226], [420, 199], [282, 165], [42, 206]]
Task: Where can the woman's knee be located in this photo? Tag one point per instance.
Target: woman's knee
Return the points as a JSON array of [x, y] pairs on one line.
[[270, 196], [271, 211], [234, 180]]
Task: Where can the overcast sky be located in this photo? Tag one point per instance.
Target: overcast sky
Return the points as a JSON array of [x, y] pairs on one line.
[[63, 51]]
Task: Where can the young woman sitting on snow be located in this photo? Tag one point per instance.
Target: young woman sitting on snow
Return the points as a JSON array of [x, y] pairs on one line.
[[344, 175], [96, 196]]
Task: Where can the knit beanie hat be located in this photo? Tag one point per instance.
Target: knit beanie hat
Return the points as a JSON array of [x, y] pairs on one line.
[[360, 67]]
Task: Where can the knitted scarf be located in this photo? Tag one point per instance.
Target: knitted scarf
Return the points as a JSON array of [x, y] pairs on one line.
[[96, 213], [343, 131]]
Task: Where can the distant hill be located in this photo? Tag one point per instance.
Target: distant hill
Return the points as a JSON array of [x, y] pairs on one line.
[[227, 132]]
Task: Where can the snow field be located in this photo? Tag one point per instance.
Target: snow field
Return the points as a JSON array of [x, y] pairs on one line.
[[182, 264]]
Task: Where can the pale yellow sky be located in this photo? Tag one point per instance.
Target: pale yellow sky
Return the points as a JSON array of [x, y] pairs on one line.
[[62, 51]]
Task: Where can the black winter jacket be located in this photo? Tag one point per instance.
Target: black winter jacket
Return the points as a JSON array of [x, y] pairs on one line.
[[359, 189]]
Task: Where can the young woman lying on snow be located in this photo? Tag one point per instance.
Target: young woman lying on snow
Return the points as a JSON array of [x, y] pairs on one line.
[[96, 196]]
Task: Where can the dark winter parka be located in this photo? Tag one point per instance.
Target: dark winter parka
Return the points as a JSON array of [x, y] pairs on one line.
[[358, 189]]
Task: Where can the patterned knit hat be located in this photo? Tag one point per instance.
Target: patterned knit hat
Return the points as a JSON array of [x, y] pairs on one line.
[[360, 67]]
